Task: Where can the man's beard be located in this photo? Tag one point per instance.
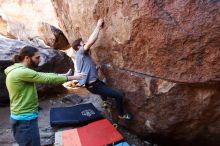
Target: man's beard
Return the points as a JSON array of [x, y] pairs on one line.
[[33, 64]]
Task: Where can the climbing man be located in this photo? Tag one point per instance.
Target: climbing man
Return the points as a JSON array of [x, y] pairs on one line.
[[85, 64], [20, 82]]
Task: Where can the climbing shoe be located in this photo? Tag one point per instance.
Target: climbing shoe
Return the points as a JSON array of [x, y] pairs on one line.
[[126, 117], [105, 104]]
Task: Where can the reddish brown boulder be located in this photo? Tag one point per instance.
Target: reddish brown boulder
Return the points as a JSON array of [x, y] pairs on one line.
[[169, 113], [53, 36], [175, 40], [163, 55]]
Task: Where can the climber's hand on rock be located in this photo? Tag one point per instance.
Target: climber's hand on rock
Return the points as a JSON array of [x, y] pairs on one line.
[[69, 72], [100, 22]]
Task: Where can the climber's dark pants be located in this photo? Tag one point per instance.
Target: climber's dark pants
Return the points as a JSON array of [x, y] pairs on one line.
[[100, 88]]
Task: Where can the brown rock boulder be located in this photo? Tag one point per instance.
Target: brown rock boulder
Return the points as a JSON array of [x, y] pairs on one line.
[[168, 113], [53, 36], [175, 40], [163, 55]]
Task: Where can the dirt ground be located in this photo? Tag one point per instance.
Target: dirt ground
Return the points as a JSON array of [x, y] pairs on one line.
[[46, 132]]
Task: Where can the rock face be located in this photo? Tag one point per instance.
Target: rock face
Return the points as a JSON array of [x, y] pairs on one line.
[[163, 55], [53, 36], [166, 112], [23, 16], [3, 28], [4, 96], [173, 40], [52, 61]]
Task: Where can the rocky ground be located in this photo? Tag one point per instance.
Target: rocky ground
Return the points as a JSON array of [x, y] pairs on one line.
[[46, 132]]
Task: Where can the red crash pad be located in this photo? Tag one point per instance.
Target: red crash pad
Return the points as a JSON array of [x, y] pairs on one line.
[[99, 133]]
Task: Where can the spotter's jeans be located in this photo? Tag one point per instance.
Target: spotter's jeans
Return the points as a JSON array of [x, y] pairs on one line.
[[26, 133]]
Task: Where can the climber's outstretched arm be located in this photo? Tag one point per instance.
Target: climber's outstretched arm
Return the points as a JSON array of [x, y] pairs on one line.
[[94, 35]]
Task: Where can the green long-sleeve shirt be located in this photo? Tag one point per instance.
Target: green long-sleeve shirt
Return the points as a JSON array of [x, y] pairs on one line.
[[20, 82]]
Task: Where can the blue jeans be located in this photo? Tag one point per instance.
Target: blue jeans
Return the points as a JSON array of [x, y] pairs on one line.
[[100, 88], [26, 133]]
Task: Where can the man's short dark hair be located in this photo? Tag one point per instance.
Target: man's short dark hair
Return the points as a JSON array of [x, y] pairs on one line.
[[76, 43]]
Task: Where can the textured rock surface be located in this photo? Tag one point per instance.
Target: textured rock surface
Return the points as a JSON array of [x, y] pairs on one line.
[[3, 26], [53, 36], [52, 61], [175, 40], [4, 29], [23, 16], [4, 96], [162, 55], [169, 112]]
